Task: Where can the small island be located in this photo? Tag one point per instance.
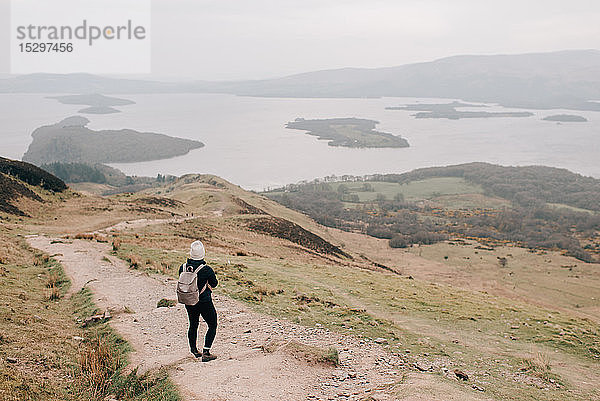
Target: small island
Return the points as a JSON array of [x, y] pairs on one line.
[[99, 110], [448, 110], [349, 132], [566, 118], [71, 141], [99, 104], [437, 107]]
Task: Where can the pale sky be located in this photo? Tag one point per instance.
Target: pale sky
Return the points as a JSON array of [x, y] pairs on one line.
[[220, 39], [253, 39]]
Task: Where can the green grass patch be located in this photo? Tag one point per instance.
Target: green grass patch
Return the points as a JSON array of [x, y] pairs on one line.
[[166, 303], [415, 190], [572, 208], [155, 260]]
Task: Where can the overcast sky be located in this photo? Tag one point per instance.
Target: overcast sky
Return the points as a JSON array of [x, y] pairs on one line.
[[247, 39], [220, 39]]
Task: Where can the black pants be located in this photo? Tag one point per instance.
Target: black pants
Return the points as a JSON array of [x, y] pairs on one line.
[[209, 314]]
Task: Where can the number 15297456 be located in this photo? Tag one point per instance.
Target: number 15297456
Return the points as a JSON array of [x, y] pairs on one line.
[[45, 47]]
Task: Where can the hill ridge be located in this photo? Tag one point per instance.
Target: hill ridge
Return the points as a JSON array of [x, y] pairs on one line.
[[18, 180], [561, 79]]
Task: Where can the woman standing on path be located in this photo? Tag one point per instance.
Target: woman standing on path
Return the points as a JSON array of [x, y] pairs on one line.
[[205, 307]]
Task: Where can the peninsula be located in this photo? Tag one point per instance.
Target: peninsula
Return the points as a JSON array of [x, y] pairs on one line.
[[71, 141]]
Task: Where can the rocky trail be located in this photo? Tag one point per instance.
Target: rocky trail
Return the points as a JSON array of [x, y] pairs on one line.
[[244, 370]]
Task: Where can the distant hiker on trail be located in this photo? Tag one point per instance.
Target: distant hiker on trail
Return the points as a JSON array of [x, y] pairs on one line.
[[196, 280]]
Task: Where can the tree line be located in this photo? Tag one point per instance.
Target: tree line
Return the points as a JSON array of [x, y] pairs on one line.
[[530, 221]]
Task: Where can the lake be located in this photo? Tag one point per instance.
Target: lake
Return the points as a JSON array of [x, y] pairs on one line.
[[247, 143]]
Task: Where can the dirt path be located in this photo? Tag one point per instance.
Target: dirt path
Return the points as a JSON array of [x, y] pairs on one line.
[[139, 223], [243, 370]]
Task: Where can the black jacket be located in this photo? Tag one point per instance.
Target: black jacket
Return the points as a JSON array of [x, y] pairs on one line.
[[205, 274]]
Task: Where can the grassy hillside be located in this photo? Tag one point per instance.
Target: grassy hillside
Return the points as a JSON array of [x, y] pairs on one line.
[[413, 190], [527, 329], [515, 346], [524, 185], [517, 350], [24, 186], [31, 175]]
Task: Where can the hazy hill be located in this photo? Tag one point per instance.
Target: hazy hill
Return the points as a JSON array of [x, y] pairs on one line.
[[538, 80], [563, 79], [77, 83], [71, 141]]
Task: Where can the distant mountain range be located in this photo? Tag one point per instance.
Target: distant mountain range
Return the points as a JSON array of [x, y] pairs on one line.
[[564, 79]]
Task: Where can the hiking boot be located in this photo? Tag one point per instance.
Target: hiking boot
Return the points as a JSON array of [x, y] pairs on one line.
[[196, 353], [207, 357]]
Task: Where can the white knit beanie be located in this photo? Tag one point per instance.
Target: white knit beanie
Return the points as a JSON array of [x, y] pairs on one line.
[[197, 250]]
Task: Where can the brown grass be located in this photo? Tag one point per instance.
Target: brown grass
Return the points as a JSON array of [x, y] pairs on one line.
[[86, 236], [98, 363], [134, 261], [53, 293], [52, 280], [264, 290], [164, 268], [100, 238], [261, 291], [40, 259], [538, 366]]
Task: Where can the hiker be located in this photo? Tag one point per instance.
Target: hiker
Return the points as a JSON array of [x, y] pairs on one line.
[[206, 281]]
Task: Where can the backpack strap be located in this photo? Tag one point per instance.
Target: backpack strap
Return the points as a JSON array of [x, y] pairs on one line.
[[198, 268], [185, 268], [206, 285]]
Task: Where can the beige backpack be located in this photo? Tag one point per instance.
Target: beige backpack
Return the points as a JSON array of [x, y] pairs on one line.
[[187, 286]]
